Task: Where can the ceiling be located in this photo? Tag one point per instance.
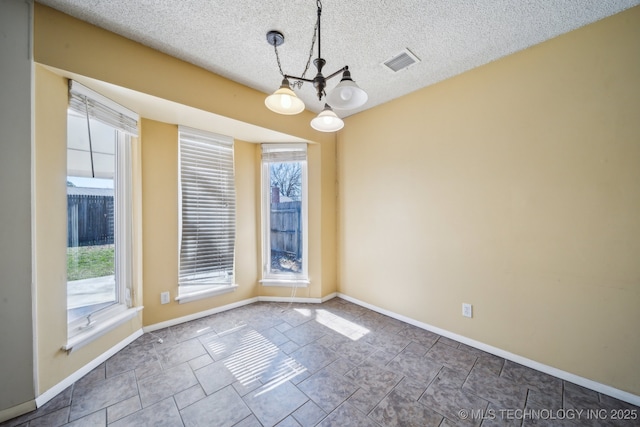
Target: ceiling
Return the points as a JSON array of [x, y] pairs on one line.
[[228, 37]]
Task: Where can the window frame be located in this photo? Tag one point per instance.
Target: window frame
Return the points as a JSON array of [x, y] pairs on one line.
[[199, 289], [85, 329], [284, 279]]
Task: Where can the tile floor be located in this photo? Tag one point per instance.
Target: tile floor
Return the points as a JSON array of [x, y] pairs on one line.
[[331, 364]]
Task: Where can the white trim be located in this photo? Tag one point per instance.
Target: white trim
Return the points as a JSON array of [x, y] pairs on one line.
[[285, 283], [290, 299], [568, 376], [204, 293], [199, 315], [62, 385], [102, 327], [123, 215]]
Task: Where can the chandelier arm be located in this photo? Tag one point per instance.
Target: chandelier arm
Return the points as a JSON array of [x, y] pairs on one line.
[[301, 79], [341, 70]]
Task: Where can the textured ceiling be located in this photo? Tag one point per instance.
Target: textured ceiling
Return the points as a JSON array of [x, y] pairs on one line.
[[227, 37]]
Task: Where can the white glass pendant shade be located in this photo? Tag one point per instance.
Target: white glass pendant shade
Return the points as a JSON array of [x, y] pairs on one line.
[[347, 94], [327, 121], [284, 100]]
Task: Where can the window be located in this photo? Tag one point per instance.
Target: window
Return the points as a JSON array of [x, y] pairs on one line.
[[99, 137], [284, 215], [207, 214]]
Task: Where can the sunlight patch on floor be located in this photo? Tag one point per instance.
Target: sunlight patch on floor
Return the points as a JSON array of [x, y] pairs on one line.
[[304, 311], [259, 359], [341, 325]]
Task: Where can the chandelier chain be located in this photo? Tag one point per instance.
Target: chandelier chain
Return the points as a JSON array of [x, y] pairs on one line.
[[298, 83]]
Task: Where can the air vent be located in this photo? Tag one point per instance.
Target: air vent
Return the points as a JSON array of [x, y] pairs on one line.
[[401, 61]]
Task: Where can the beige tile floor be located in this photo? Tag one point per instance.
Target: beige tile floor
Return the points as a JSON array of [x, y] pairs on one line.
[[331, 364]]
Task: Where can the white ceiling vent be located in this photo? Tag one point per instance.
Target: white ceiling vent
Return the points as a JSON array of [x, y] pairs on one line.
[[401, 61]]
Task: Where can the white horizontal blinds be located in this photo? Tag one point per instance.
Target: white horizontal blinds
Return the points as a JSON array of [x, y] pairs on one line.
[[93, 123], [208, 208], [85, 101], [278, 153]]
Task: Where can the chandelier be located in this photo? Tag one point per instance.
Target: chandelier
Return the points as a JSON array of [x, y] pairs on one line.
[[345, 96]]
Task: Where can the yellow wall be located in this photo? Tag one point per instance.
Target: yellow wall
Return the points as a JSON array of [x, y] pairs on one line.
[[514, 187], [77, 47]]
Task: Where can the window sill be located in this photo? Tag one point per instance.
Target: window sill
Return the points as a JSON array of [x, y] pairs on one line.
[[104, 324], [194, 293], [286, 283]]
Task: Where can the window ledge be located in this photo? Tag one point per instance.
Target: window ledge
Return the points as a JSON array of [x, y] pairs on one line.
[[208, 291], [286, 283], [102, 326]]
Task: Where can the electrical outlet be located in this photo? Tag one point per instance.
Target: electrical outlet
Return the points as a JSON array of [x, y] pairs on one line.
[[164, 298], [467, 310]]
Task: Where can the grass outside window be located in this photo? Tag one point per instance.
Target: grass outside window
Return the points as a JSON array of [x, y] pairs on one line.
[[87, 262]]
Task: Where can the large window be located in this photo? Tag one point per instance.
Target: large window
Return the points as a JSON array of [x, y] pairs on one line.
[[207, 214], [284, 214], [99, 137]]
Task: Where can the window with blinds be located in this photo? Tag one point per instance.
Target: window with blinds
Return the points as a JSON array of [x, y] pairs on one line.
[[94, 123], [207, 209], [96, 106], [101, 135]]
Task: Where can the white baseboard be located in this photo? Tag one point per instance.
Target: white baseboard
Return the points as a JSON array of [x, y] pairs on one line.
[[201, 314], [330, 296], [568, 376], [289, 299], [198, 315], [62, 385], [298, 299]]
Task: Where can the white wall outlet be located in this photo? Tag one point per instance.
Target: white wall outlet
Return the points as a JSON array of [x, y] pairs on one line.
[[164, 298], [467, 310]]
